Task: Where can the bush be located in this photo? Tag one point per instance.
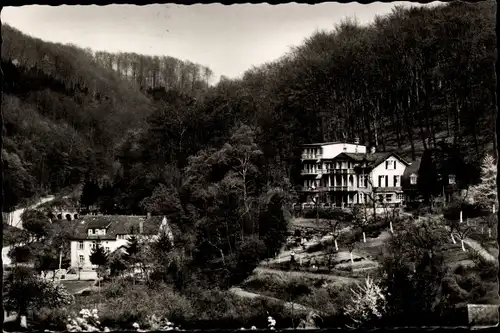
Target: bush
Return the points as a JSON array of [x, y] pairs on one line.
[[329, 214], [125, 305], [51, 319], [374, 229], [217, 309]]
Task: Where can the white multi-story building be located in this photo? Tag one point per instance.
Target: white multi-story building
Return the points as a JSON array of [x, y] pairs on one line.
[[343, 174], [112, 232]]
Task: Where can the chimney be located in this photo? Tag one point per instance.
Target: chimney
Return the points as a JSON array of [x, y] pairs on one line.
[[373, 149], [141, 226]]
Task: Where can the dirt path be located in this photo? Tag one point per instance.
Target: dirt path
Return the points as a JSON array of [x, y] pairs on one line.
[[474, 245], [289, 305], [328, 277]]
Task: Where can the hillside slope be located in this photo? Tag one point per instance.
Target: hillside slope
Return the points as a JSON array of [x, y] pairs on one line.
[[64, 115]]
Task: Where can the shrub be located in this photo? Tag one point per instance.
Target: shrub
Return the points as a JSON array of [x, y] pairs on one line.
[[367, 303], [51, 318], [135, 305], [329, 214]]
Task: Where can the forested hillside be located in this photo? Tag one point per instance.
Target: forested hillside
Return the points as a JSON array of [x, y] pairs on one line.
[[65, 112], [149, 73], [395, 84]]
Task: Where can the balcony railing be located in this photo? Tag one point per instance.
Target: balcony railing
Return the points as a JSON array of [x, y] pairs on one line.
[[342, 188], [311, 156], [314, 172], [342, 171], [315, 189]]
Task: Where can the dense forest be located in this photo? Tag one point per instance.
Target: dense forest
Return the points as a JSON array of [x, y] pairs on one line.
[[66, 110], [148, 134]]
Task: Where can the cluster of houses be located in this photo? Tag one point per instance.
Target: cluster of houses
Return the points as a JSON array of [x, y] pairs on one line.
[[338, 174]]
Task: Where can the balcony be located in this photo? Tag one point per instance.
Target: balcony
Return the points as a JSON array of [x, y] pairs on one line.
[[342, 171], [311, 157], [314, 172], [343, 188], [315, 189]]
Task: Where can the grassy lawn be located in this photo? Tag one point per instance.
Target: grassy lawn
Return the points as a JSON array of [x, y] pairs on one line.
[[76, 286]]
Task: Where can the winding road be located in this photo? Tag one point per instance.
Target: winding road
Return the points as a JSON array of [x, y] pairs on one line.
[[14, 219]]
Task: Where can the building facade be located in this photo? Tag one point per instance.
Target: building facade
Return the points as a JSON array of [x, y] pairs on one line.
[[343, 174], [112, 232]]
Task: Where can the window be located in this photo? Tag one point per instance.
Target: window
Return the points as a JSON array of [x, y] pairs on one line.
[[396, 181], [451, 179], [94, 244], [380, 198], [362, 181], [380, 179], [82, 259], [107, 249], [388, 197], [390, 165], [80, 243], [386, 181], [413, 179]]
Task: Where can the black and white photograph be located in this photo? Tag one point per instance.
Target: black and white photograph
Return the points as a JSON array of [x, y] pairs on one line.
[[170, 167]]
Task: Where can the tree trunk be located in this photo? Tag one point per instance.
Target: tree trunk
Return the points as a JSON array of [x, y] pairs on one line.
[[352, 258], [453, 239], [364, 237], [390, 226], [463, 245]]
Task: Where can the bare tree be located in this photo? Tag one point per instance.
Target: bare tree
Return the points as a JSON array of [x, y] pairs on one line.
[[462, 231]]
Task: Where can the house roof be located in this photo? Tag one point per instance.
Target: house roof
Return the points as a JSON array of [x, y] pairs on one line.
[[373, 159], [114, 224], [411, 169], [321, 143]]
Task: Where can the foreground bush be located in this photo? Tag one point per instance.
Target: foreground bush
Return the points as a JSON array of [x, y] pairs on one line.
[[24, 290]]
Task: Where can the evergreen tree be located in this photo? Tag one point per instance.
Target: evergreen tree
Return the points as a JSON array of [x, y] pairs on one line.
[[90, 194], [132, 247], [99, 256], [429, 183]]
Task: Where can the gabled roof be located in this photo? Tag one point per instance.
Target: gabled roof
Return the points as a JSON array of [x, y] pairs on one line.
[[372, 159], [115, 225]]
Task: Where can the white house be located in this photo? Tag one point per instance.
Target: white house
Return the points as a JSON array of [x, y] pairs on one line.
[[113, 232], [345, 174]]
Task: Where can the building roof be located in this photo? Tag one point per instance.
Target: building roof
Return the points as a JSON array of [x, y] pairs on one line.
[[330, 143], [411, 169], [373, 159], [114, 224]]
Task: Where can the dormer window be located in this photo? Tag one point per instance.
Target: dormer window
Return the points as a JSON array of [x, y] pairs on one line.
[[413, 179], [451, 179]]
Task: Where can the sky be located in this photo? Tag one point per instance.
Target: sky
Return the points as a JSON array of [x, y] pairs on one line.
[[228, 39]]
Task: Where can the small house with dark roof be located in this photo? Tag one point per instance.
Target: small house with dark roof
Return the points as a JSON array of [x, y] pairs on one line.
[[112, 232], [410, 182], [352, 177]]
